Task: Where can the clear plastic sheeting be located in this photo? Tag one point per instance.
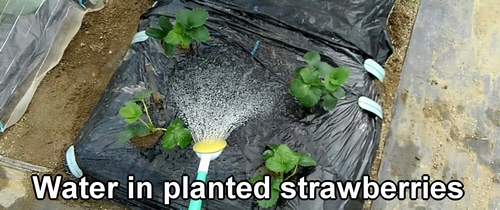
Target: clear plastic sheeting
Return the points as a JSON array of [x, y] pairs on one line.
[[33, 37], [255, 44]]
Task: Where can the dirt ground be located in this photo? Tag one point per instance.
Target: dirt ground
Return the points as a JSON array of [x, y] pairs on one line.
[[67, 95]]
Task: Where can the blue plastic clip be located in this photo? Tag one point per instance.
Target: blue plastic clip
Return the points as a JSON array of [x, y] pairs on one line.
[[255, 47], [1, 128], [80, 2]]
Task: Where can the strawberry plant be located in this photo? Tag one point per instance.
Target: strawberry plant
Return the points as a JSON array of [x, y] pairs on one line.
[[189, 26], [281, 164], [318, 82], [174, 135]]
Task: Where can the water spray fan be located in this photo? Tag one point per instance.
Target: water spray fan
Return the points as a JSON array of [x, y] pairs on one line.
[[207, 150]]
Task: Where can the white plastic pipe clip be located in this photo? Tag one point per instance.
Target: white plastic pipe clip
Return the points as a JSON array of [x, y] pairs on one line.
[[73, 167], [140, 37], [375, 69], [371, 106]]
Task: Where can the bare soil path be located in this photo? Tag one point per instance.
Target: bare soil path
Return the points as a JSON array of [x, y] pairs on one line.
[[67, 95]]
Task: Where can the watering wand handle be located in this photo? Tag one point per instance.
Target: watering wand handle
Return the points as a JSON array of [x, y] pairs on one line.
[[201, 176], [196, 204]]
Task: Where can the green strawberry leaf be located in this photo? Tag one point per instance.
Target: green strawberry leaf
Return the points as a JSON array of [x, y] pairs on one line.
[[197, 18], [173, 38], [329, 102], [200, 34], [131, 112], [165, 24], [312, 58], [142, 95], [299, 89], [155, 33], [306, 160], [311, 98], [182, 17], [125, 136]]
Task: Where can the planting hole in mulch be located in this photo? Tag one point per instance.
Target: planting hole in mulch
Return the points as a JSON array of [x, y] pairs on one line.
[[148, 141]]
